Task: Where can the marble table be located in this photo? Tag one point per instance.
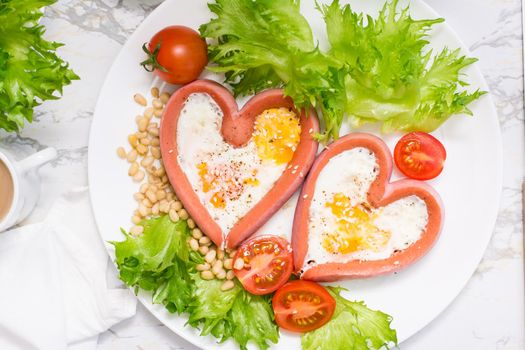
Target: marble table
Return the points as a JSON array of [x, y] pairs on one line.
[[489, 312]]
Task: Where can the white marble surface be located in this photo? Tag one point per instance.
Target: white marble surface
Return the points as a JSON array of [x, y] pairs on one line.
[[488, 314]]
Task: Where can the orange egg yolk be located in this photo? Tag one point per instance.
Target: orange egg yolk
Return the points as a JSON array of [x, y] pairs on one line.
[[277, 132], [355, 228], [225, 182]]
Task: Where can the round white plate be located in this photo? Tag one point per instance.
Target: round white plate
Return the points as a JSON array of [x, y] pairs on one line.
[[469, 185]]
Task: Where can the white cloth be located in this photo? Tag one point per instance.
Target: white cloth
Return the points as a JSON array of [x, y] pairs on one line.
[[53, 289]]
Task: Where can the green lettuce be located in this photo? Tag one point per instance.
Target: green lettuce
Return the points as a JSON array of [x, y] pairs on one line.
[[265, 43], [353, 327], [376, 69], [233, 314], [30, 70], [253, 320], [161, 261], [389, 77]]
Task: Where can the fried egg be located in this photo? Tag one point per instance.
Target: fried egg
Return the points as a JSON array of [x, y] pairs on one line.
[[229, 181], [343, 226]]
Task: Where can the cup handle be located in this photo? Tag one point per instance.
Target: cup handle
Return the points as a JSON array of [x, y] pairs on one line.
[[37, 160]]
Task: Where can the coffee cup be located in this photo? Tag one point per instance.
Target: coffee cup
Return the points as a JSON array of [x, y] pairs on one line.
[[20, 185]]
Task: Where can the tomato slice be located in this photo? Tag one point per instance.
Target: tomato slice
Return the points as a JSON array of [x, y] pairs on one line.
[[420, 156], [267, 264], [302, 306]]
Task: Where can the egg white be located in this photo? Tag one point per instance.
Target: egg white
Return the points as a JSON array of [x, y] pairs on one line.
[[352, 172], [200, 140]]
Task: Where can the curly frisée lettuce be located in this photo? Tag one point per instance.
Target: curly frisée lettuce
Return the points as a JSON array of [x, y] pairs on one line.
[[353, 326], [161, 261], [389, 76], [30, 70], [376, 70], [233, 314]]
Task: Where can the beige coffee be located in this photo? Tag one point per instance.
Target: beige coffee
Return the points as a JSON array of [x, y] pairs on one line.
[[6, 190]]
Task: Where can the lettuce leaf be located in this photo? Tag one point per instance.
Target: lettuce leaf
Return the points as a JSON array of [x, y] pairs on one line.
[[30, 70], [265, 43], [353, 327], [253, 320], [158, 261], [389, 78], [376, 70], [233, 314], [161, 261], [210, 305]]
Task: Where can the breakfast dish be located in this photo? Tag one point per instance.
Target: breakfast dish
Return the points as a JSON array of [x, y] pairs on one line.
[[214, 249], [351, 222], [246, 164]]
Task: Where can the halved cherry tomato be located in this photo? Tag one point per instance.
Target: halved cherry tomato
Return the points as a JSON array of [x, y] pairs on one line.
[[420, 156], [302, 306], [177, 54], [267, 264]]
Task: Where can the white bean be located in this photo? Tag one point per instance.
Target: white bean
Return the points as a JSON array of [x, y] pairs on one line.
[[121, 152], [217, 266], [136, 230], [183, 214], [228, 263], [194, 245], [139, 176], [210, 256], [221, 274], [173, 215], [133, 169], [203, 267], [142, 124], [158, 113], [164, 97], [141, 100], [151, 196], [147, 161], [157, 104], [204, 240], [196, 233], [155, 209], [148, 113], [132, 156], [227, 285], [207, 275], [238, 264], [144, 188], [155, 91]]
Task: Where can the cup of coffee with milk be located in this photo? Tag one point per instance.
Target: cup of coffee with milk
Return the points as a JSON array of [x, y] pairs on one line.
[[20, 185]]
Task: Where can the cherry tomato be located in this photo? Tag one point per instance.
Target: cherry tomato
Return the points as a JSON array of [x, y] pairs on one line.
[[268, 264], [177, 54], [420, 156], [302, 306]]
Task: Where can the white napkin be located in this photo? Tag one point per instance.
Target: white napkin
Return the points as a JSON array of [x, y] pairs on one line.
[[53, 289]]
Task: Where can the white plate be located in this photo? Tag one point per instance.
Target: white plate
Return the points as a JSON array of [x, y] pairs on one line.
[[469, 185]]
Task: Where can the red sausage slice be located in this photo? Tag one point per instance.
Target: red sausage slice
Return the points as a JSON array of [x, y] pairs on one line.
[[237, 129], [380, 193]]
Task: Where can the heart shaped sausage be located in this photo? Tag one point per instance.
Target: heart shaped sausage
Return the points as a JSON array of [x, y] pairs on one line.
[[233, 130], [351, 222]]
